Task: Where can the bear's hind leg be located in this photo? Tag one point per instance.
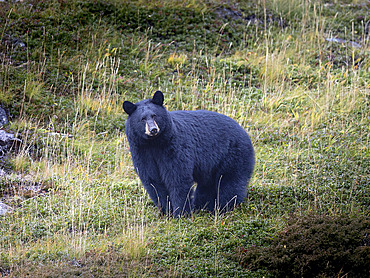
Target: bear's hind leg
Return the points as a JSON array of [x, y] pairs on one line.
[[231, 191]]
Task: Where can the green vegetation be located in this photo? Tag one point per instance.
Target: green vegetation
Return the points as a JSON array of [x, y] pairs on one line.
[[315, 246], [294, 73]]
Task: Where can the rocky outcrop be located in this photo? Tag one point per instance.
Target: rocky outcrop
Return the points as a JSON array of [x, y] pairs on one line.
[[4, 208], [7, 140], [3, 118]]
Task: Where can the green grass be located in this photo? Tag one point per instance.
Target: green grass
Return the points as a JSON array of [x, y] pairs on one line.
[[267, 64]]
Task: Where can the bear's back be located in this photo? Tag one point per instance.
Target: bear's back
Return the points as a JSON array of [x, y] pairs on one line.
[[207, 130], [206, 121]]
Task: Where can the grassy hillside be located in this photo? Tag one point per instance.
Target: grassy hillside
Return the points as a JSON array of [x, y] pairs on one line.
[[294, 74]]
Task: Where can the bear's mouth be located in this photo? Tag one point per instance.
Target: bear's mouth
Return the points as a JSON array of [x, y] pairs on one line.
[[152, 135]]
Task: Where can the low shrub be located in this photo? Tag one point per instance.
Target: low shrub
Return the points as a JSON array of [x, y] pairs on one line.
[[315, 246]]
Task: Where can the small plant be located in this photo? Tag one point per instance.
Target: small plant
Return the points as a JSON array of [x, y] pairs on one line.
[[316, 246], [177, 59]]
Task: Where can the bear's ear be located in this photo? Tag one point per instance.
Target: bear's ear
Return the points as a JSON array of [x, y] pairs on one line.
[[129, 107], [158, 98]]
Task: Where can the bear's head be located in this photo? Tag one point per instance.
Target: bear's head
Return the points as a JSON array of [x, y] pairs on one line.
[[147, 119]]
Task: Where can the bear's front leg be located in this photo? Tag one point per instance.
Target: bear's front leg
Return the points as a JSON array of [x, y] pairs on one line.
[[159, 195], [156, 190], [180, 196]]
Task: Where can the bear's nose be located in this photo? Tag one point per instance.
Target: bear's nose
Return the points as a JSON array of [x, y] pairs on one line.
[[154, 131]]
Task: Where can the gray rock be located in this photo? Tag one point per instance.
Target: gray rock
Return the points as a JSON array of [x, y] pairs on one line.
[[5, 208], [2, 172], [229, 13], [3, 117], [6, 141], [342, 41]]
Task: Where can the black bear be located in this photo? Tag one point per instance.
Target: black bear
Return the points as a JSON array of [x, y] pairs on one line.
[[188, 160]]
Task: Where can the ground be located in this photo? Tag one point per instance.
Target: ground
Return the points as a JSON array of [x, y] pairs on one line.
[[294, 74]]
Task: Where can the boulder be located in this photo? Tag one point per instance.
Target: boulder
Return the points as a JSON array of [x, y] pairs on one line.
[[3, 118], [4, 208], [6, 141]]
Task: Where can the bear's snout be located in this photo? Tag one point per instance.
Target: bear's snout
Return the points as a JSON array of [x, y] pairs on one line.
[[151, 128]]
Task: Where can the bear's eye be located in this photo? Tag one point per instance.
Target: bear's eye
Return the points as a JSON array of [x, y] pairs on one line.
[[154, 115], [143, 119]]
